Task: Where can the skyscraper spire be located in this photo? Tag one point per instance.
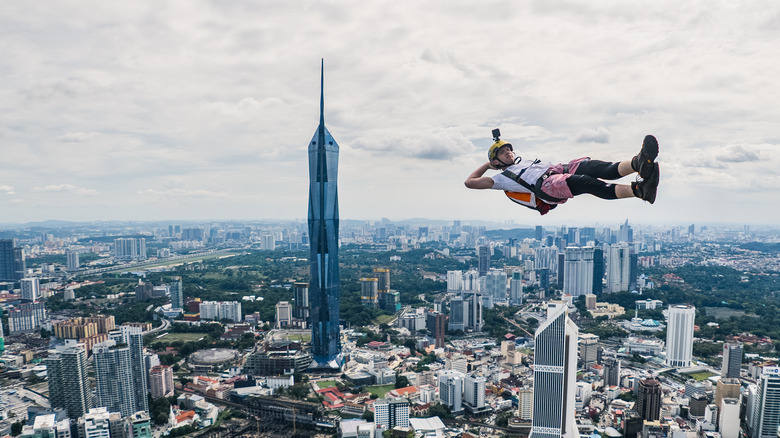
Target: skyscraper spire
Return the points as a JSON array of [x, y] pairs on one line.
[[324, 287]]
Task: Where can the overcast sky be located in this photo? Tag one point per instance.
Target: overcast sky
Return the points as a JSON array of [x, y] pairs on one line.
[[148, 110]]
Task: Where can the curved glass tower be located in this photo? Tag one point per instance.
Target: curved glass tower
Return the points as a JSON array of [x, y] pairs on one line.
[[324, 287]]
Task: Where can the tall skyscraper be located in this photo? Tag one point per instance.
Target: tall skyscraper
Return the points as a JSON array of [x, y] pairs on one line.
[[589, 345], [391, 413], [612, 372], [766, 412], [325, 286], [495, 285], [728, 413], [727, 388], [484, 259], [177, 293], [284, 311], [516, 289], [584, 270], [161, 381], [67, 375], [301, 296], [474, 392], [648, 403], [114, 377], [732, 360], [454, 281], [31, 289], [369, 291], [129, 248], [451, 390], [679, 335], [436, 323], [458, 311], [133, 337], [73, 261], [12, 266], [618, 268], [555, 368]]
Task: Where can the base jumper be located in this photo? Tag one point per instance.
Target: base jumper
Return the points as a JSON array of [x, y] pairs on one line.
[[542, 186]]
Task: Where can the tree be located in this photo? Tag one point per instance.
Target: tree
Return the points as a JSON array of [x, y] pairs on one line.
[[368, 416], [16, 428], [401, 381]]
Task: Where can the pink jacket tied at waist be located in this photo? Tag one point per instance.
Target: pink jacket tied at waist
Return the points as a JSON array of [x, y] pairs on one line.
[[555, 184]]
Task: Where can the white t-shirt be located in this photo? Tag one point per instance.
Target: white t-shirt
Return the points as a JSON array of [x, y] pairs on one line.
[[534, 172]]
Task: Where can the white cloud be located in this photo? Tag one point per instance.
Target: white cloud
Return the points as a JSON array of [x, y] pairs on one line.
[[7, 189], [66, 188], [598, 135], [77, 137]]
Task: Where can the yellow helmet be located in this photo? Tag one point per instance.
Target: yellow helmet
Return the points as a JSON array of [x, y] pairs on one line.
[[493, 151]]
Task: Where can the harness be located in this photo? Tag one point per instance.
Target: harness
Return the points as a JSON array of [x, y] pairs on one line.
[[519, 198]]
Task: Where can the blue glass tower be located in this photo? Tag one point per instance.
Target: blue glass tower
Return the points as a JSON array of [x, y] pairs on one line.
[[325, 286]]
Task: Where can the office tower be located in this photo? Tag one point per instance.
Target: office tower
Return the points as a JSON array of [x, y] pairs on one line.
[[726, 388], [697, 405], [369, 291], [144, 291], [473, 311], [219, 310], [618, 268], [471, 280], [584, 269], [284, 312], [587, 235], [177, 293], [383, 277], [436, 324], [766, 412], [612, 373], [648, 403], [392, 413], [99, 422], [454, 281], [26, 317], [458, 311], [161, 381], [66, 370], [555, 368], [196, 234], [12, 265], [125, 248], [732, 360], [546, 257], [301, 296], [539, 233], [633, 270], [451, 390], [474, 392], [679, 335], [728, 422], [589, 344], [73, 261], [133, 337], [31, 289], [495, 285], [325, 289], [484, 259], [625, 234], [268, 242], [114, 377], [516, 289], [561, 268]]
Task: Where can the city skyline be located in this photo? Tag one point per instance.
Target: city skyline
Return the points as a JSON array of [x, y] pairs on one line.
[[200, 111]]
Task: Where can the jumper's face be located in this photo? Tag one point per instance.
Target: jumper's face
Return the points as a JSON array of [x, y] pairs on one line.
[[505, 154]]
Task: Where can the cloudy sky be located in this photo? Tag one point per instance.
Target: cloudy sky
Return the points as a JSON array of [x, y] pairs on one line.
[[203, 110]]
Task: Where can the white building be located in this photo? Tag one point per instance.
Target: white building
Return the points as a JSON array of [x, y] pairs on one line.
[[391, 413], [525, 403], [454, 281], [219, 310], [73, 261], [284, 314], [729, 418], [618, 267], [582, 269], [474, 391], [679, 335], [31, 289], [451, 390], [516, 289], [766, 412], [495, 285]]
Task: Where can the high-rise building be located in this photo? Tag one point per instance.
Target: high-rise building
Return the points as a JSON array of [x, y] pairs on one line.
[[525, 403], [728, 423], [301, 297], [369, 291], [648, 403], [130, 248], [584, 269], [383, 277], [436, 324], [546, 258], [454, 281], [12, 265], [618, 267], [284, 314], [31, 289], [177, 293], [114, 377], [473, 316], [766, 412], [679, 335], [611, 373], [73, 261], [458, 312], [325, 289], [66, 370], [219, 310], [483, 253], [555, 368], [133, 337], [26, 317], [161, 381], [495, 285], [451, 390], [516, 289], [391, 413], [732, 360], [589, 344], [47, 426], [474, 392], [139, 425]]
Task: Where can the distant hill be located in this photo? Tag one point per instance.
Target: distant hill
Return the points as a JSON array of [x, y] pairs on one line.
[[515, 233]]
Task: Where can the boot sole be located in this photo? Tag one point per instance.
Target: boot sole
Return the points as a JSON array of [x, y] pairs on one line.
[[647, 156]]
